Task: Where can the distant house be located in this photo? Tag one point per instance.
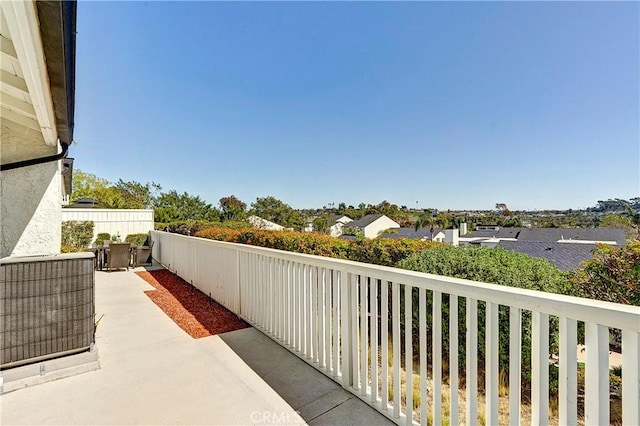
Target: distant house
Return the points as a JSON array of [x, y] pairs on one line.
[[612, 236], [258, 222], [491, 235], [423, 234], [449, 236], [336, 224], [373, 225]]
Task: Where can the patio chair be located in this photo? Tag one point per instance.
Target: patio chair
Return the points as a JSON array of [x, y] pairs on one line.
[[118, 255], [143, 255]]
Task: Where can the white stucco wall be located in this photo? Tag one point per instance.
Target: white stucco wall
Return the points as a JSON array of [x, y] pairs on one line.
[[30, 210], [113, 221], [375, 228]]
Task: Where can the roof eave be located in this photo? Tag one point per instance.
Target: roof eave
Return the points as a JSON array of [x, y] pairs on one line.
[[58, 33]]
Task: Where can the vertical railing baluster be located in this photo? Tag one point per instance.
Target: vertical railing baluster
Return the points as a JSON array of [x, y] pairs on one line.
[[373, 291], [327, 319], [336, 301], [472, 362], [567, 374], [453, 359], [630, 377], [307, 311], [491, 363], [515, 365], [384, 314], [319, 306], [355, 330], [422, 318], [346, 335], [596, 392], [539, 368], [364, 346], [437, 357], [408, 351], [395, 335]]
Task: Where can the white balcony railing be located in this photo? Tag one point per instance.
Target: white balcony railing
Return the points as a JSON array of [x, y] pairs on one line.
[[355, 321]]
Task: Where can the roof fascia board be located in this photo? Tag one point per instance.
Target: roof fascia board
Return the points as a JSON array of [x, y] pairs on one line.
[[22, 20]]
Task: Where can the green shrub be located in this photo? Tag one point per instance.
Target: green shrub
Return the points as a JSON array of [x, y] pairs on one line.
[[136, 239], [76, 235], [381, 252], [101, 237], [191, 227], [612, 275], [497, 266]]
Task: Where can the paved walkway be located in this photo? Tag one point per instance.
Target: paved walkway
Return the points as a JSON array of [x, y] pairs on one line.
[[154, 373]]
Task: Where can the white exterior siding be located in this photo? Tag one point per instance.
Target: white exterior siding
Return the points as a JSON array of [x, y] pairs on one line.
[[375, 228], [123, 222], [30, 210]]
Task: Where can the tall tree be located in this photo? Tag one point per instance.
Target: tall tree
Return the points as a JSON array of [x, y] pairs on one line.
[[136, 195], [172, 206], [277, 211], [426, 219], [232, 208], [87, 185]]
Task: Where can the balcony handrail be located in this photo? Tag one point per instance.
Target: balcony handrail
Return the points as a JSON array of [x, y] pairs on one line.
[[609, 314], [324, 310]]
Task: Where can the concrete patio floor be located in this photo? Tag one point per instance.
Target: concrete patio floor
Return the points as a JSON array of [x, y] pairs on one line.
[[152, 372]]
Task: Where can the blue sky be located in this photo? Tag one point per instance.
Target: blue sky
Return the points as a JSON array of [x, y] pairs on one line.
[[452, 105]]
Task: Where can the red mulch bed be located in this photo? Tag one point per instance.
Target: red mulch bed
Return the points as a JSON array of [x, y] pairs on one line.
[[188, 307]]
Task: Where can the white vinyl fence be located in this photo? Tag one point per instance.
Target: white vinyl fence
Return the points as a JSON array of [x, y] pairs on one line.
[[361, 324], [113, 221]]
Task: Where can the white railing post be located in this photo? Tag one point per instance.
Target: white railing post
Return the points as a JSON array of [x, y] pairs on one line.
[[515, 365], [492, 371], [539, 368], [437, 356], [373, 291], [422, 318], [567, 375], [472, 362], [453, 359], [408, 351], [364, 318], [238, 292], [630, 378], [395, 336], [346, 333], [596, 392], [353, 317], [337, 303], [384, 305]]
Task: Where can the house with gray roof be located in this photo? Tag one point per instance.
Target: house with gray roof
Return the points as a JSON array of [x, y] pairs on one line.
[[487, 235], [337, 223], [373, 225], [423, 234], [611, 236]]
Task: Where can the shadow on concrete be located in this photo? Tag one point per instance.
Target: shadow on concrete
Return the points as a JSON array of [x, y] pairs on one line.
[[317, 399]]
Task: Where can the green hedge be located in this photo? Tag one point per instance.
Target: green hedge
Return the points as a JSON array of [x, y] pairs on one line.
[[191, 227], [76, 235], [136, 239], [102, 236], [381, 251]]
